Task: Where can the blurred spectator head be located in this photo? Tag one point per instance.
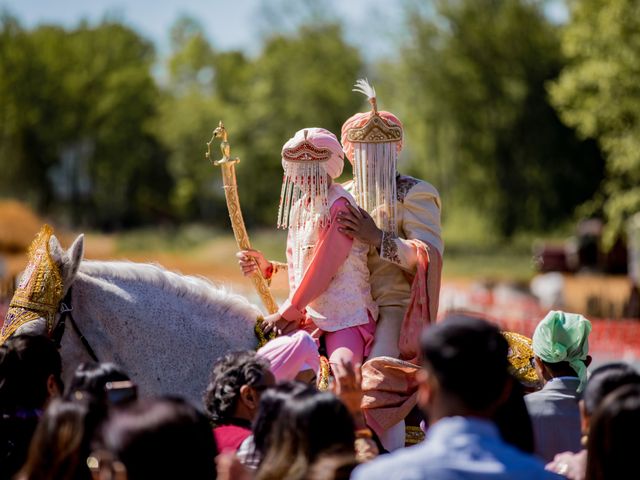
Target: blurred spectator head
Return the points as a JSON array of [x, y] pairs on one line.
[[332, 467], [160, 438], [62, 442], [612, 445], [513, 421], [235, 387], [602, 382], [310, 424], [30, 373], [465, 368], [561, 346], [270, 408], [92, 377]]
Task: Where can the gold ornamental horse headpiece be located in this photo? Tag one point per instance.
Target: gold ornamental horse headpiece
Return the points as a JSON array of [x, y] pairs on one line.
[[40, 290]]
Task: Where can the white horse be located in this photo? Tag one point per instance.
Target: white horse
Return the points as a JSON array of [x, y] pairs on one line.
[[164, 329]]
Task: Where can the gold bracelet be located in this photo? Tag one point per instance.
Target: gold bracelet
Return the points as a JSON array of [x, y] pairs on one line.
[[364, 433]]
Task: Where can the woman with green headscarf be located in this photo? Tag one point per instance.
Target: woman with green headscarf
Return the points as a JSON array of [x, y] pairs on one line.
[[561, 346]]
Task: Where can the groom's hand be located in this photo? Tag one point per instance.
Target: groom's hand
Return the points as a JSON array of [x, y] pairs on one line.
[[357, 223]]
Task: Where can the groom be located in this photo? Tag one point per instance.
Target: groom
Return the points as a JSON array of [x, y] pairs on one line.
[[400, 219]]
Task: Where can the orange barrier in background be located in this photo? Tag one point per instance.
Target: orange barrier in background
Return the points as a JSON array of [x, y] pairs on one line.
[[610, 338]]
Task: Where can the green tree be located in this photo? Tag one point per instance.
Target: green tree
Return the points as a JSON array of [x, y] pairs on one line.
[[75, 122], [26, 103], [598, 93], [202, 87], [299, 79], [471, 83]]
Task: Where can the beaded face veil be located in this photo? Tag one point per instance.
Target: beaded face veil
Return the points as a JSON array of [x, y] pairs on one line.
[[309, 160], [372, 141]]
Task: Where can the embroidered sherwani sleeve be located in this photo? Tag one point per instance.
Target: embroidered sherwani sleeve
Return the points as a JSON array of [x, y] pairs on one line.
[[331, 252], [420, 221]]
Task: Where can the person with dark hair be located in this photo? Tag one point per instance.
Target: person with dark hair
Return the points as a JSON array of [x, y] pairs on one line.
[[513, 421], [463, 380], [603, 381], [270, 407], [612, 447], [512, 417], [233, 396], [561, 347], [30, 375], [62, 441], [252, 449], [92, 377], [310, 424], [159, 438]]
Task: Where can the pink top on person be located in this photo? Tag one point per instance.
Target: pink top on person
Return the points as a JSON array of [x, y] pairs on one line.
[[331, 284], [230, 437]]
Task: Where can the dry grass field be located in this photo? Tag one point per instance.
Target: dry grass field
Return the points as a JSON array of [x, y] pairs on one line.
[[470, 256]]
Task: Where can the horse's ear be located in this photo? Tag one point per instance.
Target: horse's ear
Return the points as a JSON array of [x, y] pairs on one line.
[[75, 255], [56, 251]]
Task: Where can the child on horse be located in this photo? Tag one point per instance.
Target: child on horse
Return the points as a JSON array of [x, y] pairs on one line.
[[329, 285]]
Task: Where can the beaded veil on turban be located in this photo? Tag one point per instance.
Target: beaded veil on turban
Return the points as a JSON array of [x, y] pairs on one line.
[[372, 142], [307, 158]]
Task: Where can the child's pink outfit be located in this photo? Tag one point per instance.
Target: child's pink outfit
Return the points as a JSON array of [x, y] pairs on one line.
[[328, 273]]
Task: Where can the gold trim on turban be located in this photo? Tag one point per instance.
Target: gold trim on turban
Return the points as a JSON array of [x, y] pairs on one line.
[[306, 152], [372, 142], [520, 357], [376, 130], [40, 289]]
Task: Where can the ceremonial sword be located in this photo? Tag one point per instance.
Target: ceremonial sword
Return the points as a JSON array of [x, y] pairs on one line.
[[228, 166]]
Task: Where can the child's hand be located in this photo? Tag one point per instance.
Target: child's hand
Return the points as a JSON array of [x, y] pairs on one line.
[[277, 323], [250, 260]]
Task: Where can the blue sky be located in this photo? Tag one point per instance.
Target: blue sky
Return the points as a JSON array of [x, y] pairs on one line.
[[370, 24], [229, 24]]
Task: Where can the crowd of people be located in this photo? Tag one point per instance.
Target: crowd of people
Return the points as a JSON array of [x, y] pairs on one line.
[[262, 419]]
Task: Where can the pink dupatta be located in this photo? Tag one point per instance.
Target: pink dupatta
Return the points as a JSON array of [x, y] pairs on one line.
[[389, 384]]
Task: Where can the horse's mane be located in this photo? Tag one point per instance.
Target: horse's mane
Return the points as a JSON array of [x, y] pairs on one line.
[[196, 289]]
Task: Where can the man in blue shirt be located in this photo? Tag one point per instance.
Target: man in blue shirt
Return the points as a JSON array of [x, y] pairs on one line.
[[463, 380]]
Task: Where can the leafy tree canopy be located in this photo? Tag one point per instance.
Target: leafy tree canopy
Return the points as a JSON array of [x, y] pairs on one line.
[[598, 93]]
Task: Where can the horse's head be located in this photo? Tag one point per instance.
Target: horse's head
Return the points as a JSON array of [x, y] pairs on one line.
[[49, 275]]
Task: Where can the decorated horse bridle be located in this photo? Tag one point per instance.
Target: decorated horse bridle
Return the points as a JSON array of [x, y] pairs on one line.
[[66, 312]]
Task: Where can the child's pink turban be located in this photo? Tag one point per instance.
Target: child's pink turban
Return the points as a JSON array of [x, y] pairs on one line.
[[291, 354]]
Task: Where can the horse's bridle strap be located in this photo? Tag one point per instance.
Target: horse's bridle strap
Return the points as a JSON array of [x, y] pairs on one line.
[[66, 312]]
